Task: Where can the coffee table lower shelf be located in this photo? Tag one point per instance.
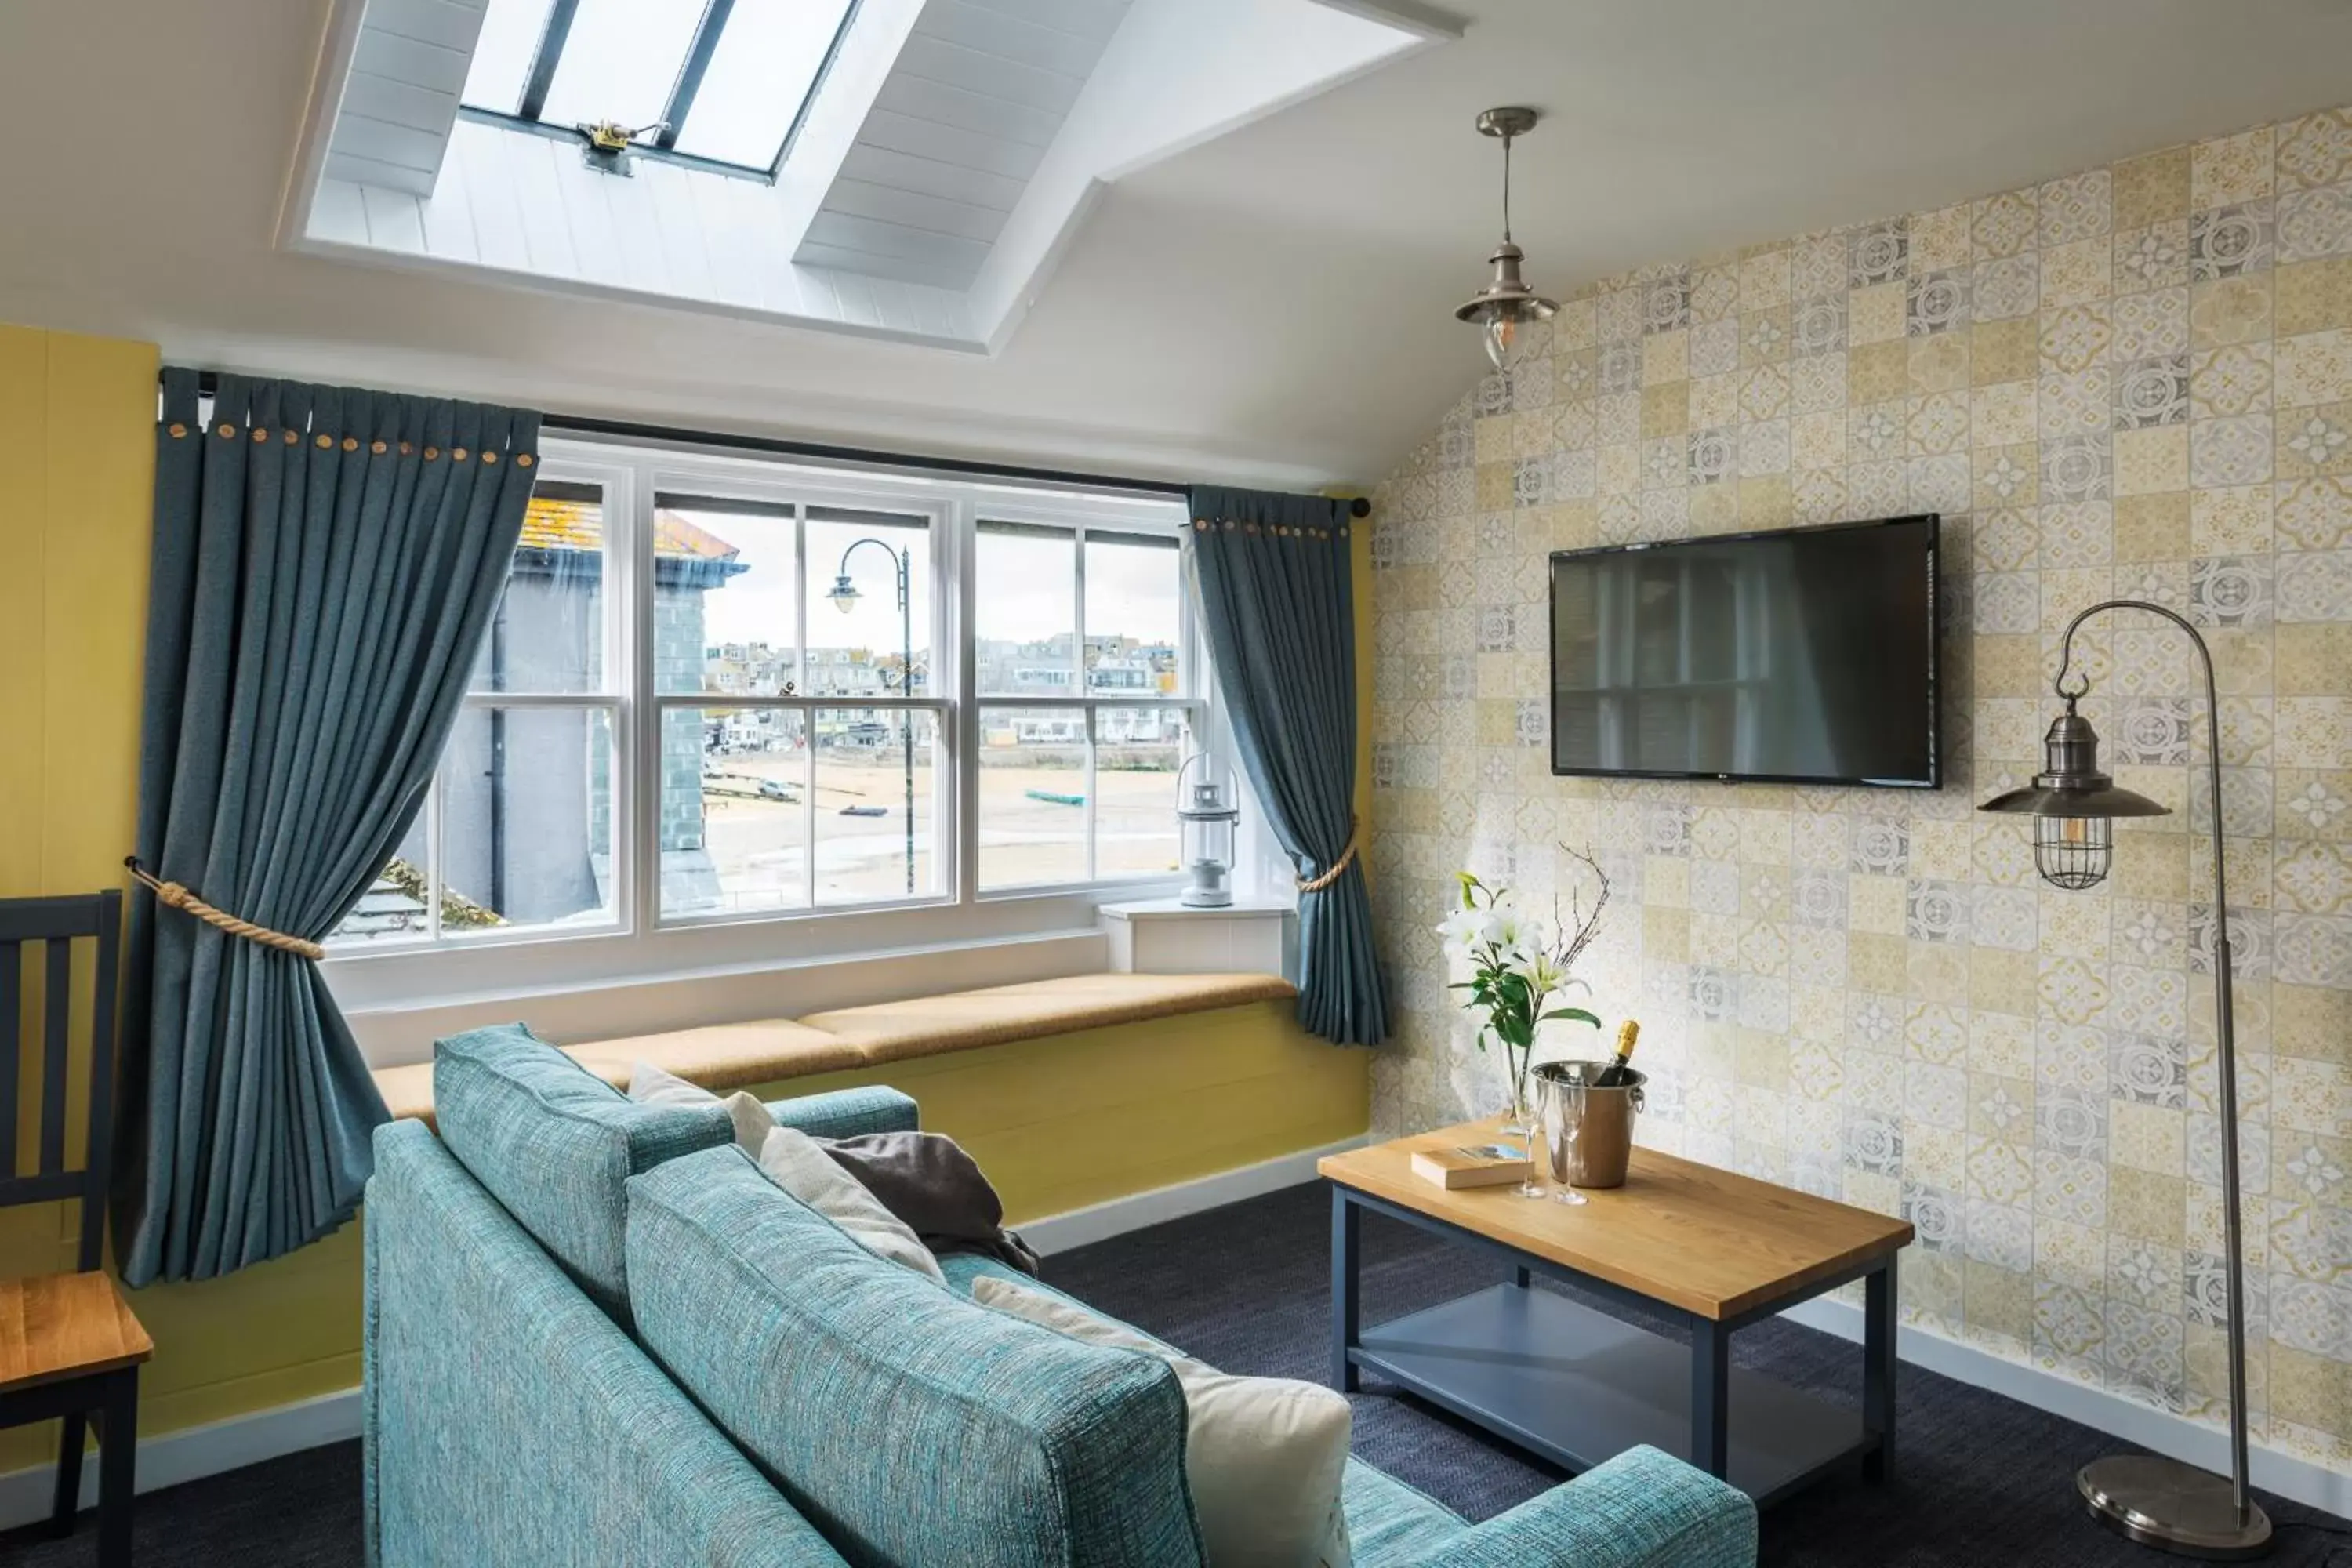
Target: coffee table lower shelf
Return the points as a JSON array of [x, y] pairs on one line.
[[1577, 1387]]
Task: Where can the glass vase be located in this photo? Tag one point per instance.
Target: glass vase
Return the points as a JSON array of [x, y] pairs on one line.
[[1518, 1109]]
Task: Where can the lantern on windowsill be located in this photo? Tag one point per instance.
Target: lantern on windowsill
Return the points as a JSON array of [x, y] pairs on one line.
[[1206, 811]]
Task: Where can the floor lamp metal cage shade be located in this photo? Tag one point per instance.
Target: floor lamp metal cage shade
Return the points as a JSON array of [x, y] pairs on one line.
[[2074, 806], [2155, 1501]]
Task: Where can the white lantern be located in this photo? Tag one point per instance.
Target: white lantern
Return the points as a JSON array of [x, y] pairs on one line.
[[1207, 810]]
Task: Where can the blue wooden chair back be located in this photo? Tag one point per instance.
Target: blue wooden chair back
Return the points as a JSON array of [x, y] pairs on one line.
[[38, 936]]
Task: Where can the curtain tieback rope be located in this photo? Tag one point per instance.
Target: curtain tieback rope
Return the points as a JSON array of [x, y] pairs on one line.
[[1347, 857], [172, 895]]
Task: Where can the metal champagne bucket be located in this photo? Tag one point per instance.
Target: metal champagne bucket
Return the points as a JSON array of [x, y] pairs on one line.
[[1604, 1141]]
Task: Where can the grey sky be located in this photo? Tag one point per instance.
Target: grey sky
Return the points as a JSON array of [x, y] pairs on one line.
[[1026, 591]]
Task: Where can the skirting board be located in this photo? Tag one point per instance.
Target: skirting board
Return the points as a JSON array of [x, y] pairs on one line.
[[2127, 1420], [194, 1452], [1100, 1222], [200, 1451]]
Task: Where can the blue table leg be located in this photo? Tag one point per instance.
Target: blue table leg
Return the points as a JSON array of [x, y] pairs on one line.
[[1878, 1371], [1346, 1224], [1710, 1421]]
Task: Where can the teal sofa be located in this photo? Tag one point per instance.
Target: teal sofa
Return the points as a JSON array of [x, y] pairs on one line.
[[596, 1334]]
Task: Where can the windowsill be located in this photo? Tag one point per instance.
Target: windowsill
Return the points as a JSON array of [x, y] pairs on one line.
[[1173, 909]]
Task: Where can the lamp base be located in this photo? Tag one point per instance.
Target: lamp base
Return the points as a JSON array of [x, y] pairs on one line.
[[2173, 1507]]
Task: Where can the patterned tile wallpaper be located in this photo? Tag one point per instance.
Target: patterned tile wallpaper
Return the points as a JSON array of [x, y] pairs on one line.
[[2133, 381]]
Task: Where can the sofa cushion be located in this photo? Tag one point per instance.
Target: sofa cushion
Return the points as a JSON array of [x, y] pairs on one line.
[[1388, 1521], [962, 1269], [753, 1121], [908, 1423], [1262, 1456], [799, 1164], [554, 1143]]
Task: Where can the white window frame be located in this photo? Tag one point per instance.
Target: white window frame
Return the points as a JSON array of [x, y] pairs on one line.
[[799, 489], [1192, 678], [639, 940]]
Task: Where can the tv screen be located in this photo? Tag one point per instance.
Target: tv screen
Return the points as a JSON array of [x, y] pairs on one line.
[[1805, 656]]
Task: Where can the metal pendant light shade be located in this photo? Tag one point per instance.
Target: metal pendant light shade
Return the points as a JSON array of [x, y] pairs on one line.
[[1507, 305]]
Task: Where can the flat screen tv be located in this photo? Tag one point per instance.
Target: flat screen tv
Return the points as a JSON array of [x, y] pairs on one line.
[[1801, 656]]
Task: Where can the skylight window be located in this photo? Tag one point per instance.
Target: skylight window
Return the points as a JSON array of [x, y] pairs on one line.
[[719, 81]]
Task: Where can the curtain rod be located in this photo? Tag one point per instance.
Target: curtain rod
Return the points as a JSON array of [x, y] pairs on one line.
[[582, 425]]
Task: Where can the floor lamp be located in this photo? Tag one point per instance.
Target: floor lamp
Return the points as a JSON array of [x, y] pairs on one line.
[[2159, 1501]]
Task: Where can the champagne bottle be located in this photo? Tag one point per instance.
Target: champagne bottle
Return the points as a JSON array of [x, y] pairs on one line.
[[1613, 1076]]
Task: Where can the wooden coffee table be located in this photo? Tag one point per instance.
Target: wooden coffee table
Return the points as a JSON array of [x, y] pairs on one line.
[[1708, 1250]]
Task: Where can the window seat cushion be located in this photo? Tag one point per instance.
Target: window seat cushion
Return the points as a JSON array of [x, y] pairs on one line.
[[724, 1057], [967, 1020]]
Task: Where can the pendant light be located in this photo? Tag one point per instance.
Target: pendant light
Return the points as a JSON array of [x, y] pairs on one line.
[[1506, 307]]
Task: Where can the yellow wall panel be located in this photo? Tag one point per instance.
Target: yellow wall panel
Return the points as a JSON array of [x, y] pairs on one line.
[[23, 535], [1080, 1118], [102, 482]]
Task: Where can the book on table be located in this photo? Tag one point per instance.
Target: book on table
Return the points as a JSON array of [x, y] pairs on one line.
[[1457, 1165]]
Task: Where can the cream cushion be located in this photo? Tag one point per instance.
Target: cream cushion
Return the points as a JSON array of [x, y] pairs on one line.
[[1264, 1457], [650, 1084], [793, 1162]]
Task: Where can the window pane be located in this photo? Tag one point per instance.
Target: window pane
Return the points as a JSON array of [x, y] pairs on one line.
[[620, 60], [861, 641], [763, 69], [1026, 623], [548, 635], [1132, 591], [727, 589], [502, 54], [734, 820], [1137, 754], [527, 819], [394, 909], [1033, 781], [876, 769]]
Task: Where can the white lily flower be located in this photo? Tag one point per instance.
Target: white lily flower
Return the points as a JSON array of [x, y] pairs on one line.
[[1461, 929]]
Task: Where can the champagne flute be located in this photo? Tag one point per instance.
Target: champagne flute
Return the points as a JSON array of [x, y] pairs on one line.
[[1532, 1186], [1562, 1133], [1537, 1119]]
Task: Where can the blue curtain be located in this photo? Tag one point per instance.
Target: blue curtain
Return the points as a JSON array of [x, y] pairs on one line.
[[1278, 599], [325, 563]]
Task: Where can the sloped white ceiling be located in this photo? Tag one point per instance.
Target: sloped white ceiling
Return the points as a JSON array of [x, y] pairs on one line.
[[408, 67], [915, 156], [1272, 305], [979, 92]]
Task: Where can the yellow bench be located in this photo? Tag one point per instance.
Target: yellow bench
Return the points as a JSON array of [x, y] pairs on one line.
[[725, 1057]]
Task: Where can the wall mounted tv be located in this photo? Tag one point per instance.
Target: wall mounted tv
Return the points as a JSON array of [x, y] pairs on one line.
[[1801, 656]]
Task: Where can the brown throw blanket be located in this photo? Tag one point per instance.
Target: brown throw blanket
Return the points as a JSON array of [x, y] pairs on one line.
[[936, 1189]]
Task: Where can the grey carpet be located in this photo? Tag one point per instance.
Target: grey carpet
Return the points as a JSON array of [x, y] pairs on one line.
[[301, 1512], [1983, 1480]]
